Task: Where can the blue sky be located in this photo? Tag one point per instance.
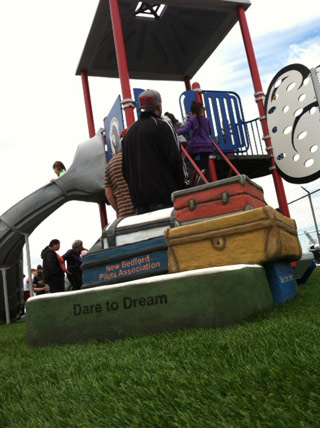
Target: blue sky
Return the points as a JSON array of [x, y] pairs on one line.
[[273, 51], [41, 102]]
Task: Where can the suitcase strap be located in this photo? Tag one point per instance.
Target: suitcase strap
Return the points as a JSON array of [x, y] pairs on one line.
[[219, 233], [111, 232]]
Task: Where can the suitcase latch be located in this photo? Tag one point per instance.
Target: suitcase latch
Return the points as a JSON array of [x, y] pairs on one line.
[[219, 243], [225, 197], [192, 204]]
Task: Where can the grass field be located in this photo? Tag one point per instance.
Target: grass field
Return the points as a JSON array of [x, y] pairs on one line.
[[264, 372]]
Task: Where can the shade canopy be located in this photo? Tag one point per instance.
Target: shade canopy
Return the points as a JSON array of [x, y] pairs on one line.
[[166, 43]]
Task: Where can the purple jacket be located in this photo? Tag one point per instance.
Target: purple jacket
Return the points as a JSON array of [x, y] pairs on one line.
[[200, 141]]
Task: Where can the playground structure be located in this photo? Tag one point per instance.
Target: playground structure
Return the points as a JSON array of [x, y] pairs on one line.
[[170, 36]]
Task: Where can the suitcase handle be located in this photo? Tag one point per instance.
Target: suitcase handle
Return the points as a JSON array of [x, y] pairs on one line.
[[225, 197], [192, 204]]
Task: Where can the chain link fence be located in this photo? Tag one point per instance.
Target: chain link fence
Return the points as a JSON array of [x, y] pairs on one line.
[[306, 212]]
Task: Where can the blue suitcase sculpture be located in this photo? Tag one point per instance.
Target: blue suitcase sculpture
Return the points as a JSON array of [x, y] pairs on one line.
[[125, 263], [281, 280]]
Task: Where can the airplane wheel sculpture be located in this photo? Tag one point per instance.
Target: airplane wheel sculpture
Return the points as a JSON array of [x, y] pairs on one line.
[[293, 117]]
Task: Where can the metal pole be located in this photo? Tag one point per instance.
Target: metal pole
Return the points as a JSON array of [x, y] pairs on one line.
[[281, 195], [197, 89], [5, 294], [92, 133], [313, 213], [121, 59], [187, 83], [26, 237], [87, 102]]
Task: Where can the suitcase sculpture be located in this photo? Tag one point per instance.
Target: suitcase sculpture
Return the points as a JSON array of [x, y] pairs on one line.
[[128, 230], [218, 198], [281, 280], [256, 236], [125, 263]]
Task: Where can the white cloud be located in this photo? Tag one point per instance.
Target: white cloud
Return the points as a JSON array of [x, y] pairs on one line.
[[307, 53]]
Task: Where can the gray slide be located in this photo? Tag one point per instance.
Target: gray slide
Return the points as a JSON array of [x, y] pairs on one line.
[[83, 181]]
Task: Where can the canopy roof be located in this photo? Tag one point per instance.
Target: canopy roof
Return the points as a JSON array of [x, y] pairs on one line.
[[174, 45]]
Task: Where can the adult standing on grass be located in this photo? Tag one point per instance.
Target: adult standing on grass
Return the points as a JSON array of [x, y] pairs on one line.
[[53, 267], [74, 261]]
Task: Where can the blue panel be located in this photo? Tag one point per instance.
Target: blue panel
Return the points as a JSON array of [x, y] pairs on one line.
[[225, 113], [239, 127], [136, 93], [185, 101], [281, 281], [126, 262], [113, 125]]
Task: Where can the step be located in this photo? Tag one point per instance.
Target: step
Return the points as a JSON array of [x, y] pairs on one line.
[[211, 297]]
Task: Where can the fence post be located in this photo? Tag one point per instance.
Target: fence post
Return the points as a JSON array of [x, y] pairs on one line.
[[313, 213], [5, 294]]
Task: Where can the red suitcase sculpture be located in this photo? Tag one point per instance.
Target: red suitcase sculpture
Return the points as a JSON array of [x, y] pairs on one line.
[[218, 198]]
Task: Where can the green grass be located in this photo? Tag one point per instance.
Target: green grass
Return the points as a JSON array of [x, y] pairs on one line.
[[264, 372]]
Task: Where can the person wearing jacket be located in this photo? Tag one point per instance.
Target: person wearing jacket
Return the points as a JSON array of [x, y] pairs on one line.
[[74, 261], [152, 164], [200, 146], [53, 267]]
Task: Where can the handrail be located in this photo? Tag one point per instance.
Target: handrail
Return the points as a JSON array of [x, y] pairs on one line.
[[194, 164], [215, 145]]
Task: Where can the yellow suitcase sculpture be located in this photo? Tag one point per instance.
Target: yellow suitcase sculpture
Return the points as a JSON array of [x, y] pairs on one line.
[[257, 236]]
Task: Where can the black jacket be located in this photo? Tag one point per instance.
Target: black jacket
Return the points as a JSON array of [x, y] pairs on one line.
[[74, 261], [51, 266], [152, 163]]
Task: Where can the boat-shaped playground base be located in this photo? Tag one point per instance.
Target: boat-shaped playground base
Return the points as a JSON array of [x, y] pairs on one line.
[[212, 297]]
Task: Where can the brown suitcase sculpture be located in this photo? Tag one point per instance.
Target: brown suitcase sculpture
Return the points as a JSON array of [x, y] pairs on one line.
[[256, 236], [218, 198]]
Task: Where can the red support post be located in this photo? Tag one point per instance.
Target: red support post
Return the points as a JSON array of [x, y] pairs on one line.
[[92, 133], [196, 88], [121, 59], [212, 169], [278, 183], [187, 82], [87, 102]]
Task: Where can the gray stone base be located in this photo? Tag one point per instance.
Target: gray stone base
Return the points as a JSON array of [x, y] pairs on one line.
[[210, 297]]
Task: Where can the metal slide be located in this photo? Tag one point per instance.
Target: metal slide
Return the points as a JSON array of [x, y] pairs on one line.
[[83, 181]]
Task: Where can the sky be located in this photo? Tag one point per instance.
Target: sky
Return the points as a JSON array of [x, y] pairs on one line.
[[42, 114]]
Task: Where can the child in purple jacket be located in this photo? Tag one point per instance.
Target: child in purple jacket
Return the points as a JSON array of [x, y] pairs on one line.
[[200, 139]]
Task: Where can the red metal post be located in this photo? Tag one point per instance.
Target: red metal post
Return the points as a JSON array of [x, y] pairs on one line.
[[121, 58], [87, 102], [196, 88], [187, 82], [278, 183], [212, 169], [92, 133]]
